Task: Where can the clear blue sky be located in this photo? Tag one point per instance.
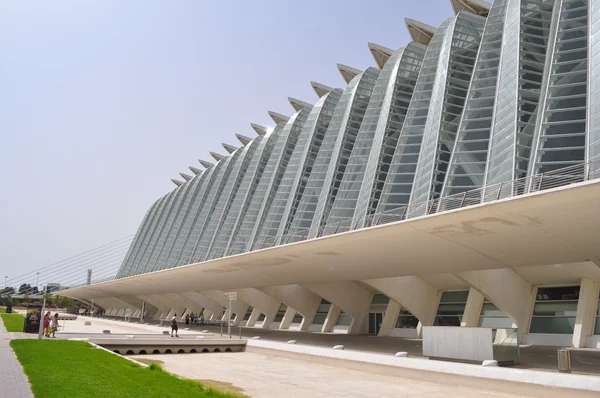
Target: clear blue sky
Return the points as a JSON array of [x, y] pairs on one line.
[[103, 102]]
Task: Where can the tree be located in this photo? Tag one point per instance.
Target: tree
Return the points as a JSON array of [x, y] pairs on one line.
[[25, 288], [7, 291]]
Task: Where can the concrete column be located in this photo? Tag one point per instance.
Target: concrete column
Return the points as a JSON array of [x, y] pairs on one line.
[[586, 312], [472, 309], [389, 318], [297, 297], [204, 302], [332, 317], [351, 298], [287, 318], [162, 308], [253, 317], [207, 314], [506, 289], [239, 306], [261, 301], [176, 306], [413, 293]]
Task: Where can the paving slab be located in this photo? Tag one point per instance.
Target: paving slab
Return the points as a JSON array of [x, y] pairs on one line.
[[13, 381]]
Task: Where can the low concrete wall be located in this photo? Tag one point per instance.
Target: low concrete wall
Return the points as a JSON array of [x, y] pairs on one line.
[[463, 343]]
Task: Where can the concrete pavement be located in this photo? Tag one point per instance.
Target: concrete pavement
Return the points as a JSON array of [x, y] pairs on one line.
[[13, 381]]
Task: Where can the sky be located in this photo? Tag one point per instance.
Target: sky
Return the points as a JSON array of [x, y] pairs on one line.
[[102, 102]]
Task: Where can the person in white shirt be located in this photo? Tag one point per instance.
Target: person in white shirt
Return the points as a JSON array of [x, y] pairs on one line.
[[174, 327]]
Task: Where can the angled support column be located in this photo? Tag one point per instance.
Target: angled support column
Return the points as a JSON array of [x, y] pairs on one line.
[[253, 317], [187, 304], [262, 302], [413, 293], [332, 317], [507, 290], [297, 297], [202, 301], [289, 315], [586, 312], [176, 306], [238, 307], [389, 318], [162, 308], [349, 297], [472, 309]]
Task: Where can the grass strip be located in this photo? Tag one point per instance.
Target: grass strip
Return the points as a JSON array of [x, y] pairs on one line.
[[62, 368], [13, 322]]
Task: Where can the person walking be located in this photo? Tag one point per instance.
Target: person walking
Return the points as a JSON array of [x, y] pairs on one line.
[[174, 327], [187, 319], [46, 324], [54, 325]]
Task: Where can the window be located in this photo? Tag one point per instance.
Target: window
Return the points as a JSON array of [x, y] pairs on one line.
[[297, 318], [261, 318], [344, 320], [555, 310], [597, 328], [491, 316], [248, 313], [451, 308], [322, 312], [380, 299], [406, 320], [280, 313]]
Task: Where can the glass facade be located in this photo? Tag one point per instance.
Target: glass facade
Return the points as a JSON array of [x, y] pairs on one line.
[[451, 308], [555, 310], [491, 316], [406, 320], [479, 100]]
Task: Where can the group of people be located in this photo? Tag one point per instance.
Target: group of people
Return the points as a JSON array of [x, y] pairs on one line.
[[50, 324], [193, 318]]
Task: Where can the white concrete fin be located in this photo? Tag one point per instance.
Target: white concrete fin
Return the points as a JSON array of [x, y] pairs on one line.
[[176, 182], [419, 31], [278, 117], [380, 54], [217, 156], [260, 130], [320, 89], [479, 7], [243, 139], [195, 170], [205, 163], [348, 72], [297, 104], [186, 177], [229, 148]]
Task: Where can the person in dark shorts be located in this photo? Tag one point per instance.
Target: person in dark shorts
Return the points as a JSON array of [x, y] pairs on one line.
[[174, 327]]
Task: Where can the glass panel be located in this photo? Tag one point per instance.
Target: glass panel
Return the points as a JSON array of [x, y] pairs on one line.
[[455, 297], [344, 320]]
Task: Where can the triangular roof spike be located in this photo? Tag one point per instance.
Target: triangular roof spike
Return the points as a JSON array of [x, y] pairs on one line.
[[229, 148], [419, 32], [478, 7], [260, 130], [320, 89], [243, 139], [380, 53], [217, 156], [195, 170], [348, 73], [186, 176], [278, 117], [297, 104], [176, 182], [206, 164]]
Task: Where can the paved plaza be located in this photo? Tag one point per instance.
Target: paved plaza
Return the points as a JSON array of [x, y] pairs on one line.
[[13, 381]]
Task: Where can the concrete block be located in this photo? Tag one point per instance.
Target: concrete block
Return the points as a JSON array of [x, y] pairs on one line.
[[130, 336], [187, 329], [338, 347], [204, 331], [489, 363], [292, 342], [87, 323], [106, 331], [256, 338], [166, 332], [199, 337], [401, 354]]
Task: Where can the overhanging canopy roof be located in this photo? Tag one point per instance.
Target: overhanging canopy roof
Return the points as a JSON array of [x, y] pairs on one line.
[[348, 72], [479, 7], [380, 54], [419, 31]]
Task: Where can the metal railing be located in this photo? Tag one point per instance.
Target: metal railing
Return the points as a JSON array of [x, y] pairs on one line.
[[521, 186]]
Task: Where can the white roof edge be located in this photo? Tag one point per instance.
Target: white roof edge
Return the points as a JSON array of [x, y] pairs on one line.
[[243, 139], [195, 170], [205, 163], [217, 156], [320, 89], [474, 6], [278, 117], [380, 54], [348, 72], [297, 104], [229, 148], [176, 182], [186, 177], [260, 130]]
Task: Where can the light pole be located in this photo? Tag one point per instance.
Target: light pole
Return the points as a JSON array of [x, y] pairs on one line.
[[37, 280], [5, 278]]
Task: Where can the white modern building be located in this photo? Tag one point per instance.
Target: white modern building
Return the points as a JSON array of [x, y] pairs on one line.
[[455, 183]]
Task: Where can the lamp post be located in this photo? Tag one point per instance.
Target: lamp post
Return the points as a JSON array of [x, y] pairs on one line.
[[37, 280], [5, 278]]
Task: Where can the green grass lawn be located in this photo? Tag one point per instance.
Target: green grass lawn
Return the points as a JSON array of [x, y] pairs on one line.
[[2, 310], [13, 322], [60, 368]]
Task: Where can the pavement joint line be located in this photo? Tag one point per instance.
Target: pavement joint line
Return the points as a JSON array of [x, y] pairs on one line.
[[12, 375]]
